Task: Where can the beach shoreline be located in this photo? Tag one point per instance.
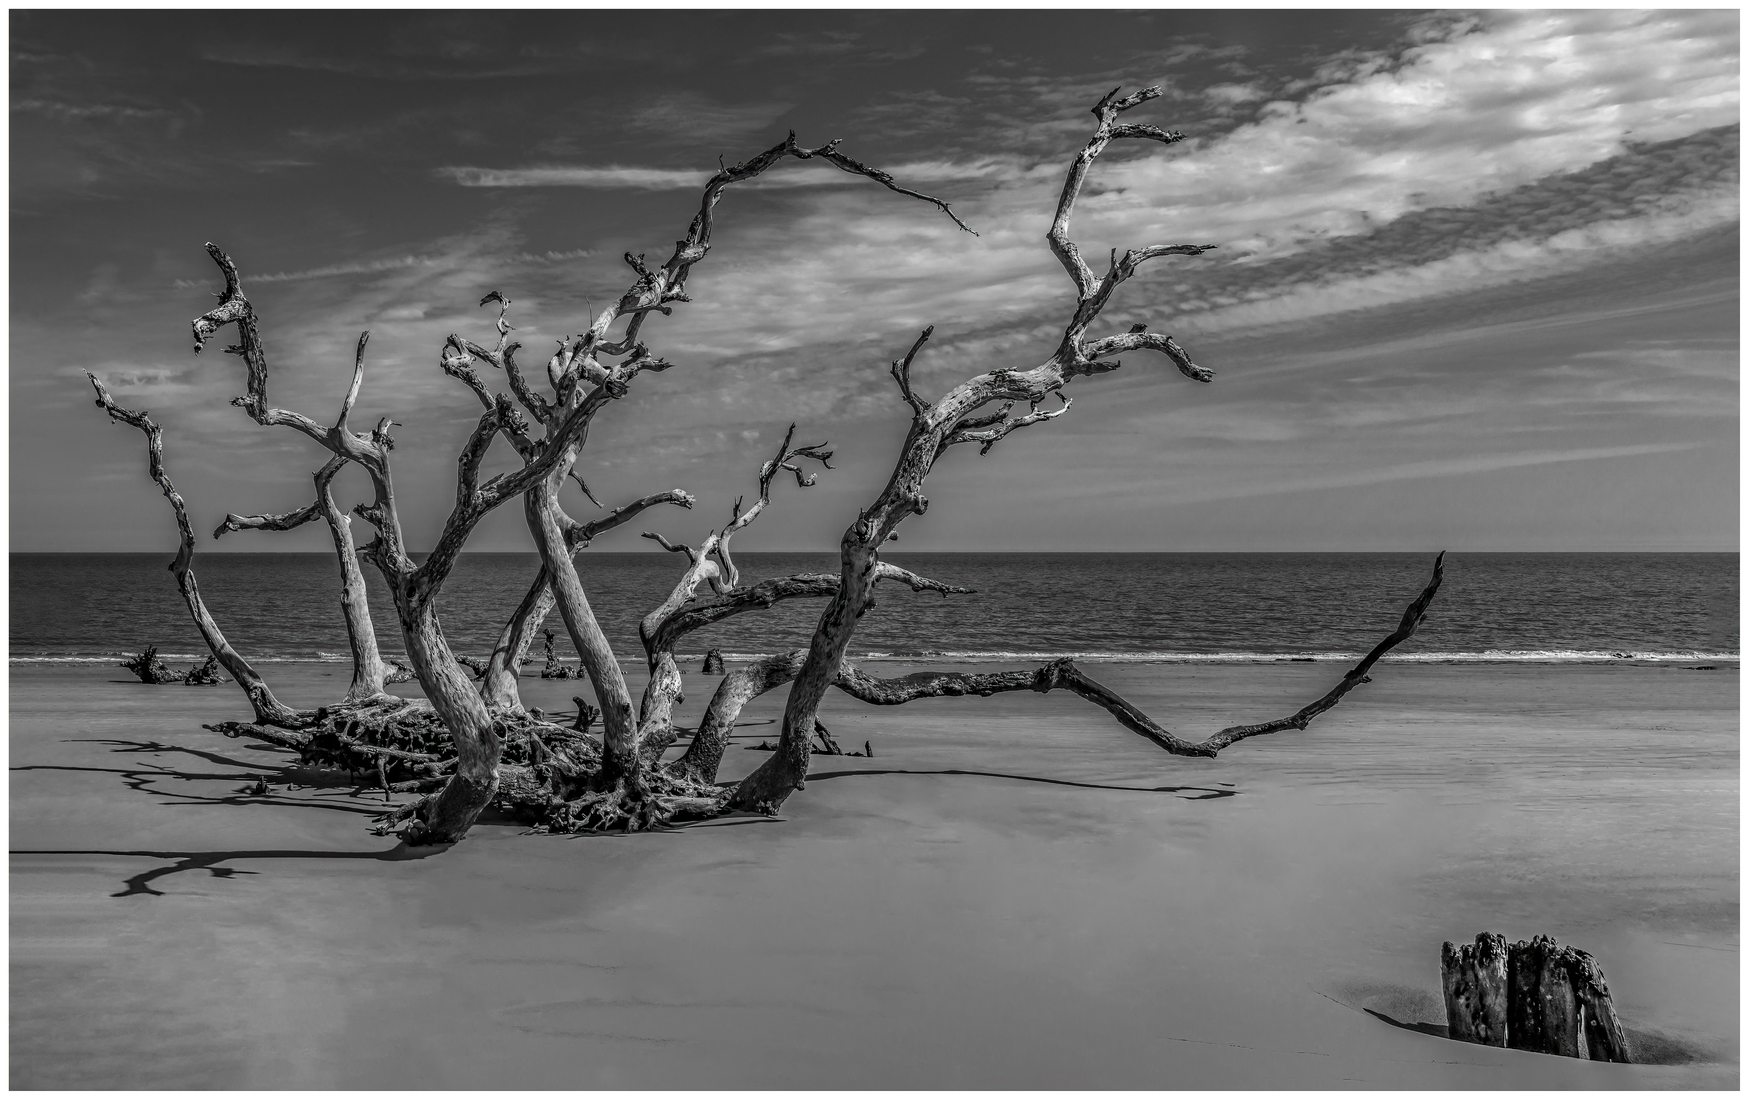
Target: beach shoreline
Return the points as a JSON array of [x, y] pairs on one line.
[[1014, 892]]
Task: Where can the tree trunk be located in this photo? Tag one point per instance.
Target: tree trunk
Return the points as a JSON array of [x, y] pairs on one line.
[[1542, 1012], [1604, 1037], [445, 818], [369, 673], [662, 694], [514, 641], [704, 756], [619, 732], [1474, 979]]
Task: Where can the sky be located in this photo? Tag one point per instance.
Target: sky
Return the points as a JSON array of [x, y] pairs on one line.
[[1477, 284]]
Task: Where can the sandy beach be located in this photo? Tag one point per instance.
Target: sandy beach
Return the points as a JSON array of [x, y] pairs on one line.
[[1013, 893]]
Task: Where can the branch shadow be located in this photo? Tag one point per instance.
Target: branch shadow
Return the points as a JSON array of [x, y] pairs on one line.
[[256, 774], [1200, 792], [139, 885], [1438, 1031]]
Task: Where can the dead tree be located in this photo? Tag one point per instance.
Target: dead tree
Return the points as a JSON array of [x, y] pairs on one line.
[[479, 746], [582, 384], [369, 672], [415, 586], [621, 778]]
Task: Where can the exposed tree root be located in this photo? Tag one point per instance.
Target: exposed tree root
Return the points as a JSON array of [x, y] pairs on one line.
[[151, 669], [405, 741], [207, 672]]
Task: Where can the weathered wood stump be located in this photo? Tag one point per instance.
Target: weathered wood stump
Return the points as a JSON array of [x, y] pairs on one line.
[[1474, 977], [1534, 995], [586, 714], [398, 673], [713, 663], [207, 672], [556, 669], [151, 669]]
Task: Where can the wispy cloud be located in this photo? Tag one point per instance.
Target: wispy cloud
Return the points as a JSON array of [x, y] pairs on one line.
[[631, 177]]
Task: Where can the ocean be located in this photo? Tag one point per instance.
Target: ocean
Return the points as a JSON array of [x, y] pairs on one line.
[[1198, 608]]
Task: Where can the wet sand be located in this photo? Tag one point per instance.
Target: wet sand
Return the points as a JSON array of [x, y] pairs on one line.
[[1013, 893]]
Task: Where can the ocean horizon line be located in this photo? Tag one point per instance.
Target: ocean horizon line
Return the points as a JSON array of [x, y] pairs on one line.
[[641, 551]]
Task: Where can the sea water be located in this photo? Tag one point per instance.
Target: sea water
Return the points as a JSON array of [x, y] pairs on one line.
[[1200, 608]]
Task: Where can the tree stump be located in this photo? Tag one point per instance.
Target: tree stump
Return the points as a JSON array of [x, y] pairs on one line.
[[1534, 995], [586, 714], [1474, 978], [713, 663]]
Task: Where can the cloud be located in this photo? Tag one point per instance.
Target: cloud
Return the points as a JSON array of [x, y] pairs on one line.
[[117, 112], [1413, 471], [629, 177]]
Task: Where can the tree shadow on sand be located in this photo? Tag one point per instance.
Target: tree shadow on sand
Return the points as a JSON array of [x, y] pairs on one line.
[[139, 884], [256, 774], [1196, 793]]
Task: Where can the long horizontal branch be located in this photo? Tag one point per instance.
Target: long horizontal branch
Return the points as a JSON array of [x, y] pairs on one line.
[[768, 593], [1065, 674]]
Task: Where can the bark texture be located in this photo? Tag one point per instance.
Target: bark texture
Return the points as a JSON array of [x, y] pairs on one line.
[[1534, 995], [1474, 980]]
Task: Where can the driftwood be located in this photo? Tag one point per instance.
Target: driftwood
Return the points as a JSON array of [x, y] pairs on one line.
[[1474, 979], [556, 669], [477, 741], [586, 714], [207, 672], [1533, 995], [151, 669], [713, 663]]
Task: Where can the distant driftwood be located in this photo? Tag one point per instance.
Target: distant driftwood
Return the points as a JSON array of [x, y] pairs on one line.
[[1533, 995], [151, 669]]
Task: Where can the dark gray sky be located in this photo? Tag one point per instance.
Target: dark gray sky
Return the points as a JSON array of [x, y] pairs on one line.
[[1477, 285]]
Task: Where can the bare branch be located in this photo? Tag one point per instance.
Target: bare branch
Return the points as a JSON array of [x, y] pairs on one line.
[[1412, 618], [988, 430], [234, 308], [579, 535], [1139, 338], [667, 632], [901, 371], [357, 381], [154, 464], [454, 360], [286, 521], [655, 288], [268, 709], [786, 459], [663, 542], [1093, 294]]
